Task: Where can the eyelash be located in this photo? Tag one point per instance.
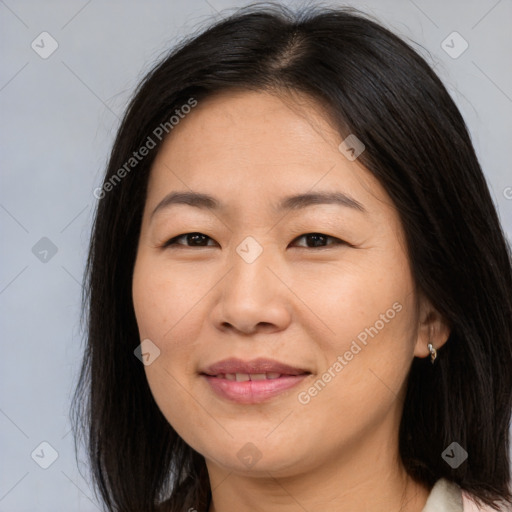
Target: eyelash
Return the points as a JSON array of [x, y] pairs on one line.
[[173, 241]]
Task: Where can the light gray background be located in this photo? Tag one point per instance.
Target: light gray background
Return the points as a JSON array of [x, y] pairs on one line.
[[59, 117]]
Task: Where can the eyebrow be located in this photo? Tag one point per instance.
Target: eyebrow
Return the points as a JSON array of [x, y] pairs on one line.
[[295, 202]]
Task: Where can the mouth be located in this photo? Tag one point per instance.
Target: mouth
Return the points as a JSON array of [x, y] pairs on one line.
[[244, 377], [250, 382]]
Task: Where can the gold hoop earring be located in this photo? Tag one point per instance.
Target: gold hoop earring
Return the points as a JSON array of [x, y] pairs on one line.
[[433, 352]]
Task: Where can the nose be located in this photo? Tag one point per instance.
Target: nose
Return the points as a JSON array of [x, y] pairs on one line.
[[252, 297]]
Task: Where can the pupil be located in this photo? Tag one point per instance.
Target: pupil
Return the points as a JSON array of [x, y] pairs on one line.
[[317, 239], [194, 237]]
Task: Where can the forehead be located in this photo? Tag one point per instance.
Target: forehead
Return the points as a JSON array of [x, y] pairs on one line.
[[246, 146]]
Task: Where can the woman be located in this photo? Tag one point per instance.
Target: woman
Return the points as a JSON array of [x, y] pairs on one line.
[[298, 290]]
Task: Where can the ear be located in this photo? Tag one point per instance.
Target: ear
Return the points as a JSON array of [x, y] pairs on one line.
[[432, 328]]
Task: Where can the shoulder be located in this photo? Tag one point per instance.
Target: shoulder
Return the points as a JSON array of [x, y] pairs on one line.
[[447, 496], [470, 506]]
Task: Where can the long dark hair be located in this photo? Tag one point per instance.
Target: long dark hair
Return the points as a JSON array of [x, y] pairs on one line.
[[417, 145]]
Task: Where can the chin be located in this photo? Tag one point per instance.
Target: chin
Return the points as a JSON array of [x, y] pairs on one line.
[[258, 460]]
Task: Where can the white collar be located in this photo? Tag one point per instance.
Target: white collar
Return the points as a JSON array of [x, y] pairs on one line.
[[445, 496]]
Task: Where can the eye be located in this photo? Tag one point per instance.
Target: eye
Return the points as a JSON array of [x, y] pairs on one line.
[[319, 240], [196, 240]]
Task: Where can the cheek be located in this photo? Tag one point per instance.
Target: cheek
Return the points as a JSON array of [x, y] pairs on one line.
[[168, 306], [164, 298], [366, 363], [369, 315], [349, 298]]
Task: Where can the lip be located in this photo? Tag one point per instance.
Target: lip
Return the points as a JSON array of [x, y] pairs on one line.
[[252, 391], [260, 365]]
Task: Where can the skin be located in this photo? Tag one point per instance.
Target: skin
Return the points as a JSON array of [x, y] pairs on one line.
[[297, 303]]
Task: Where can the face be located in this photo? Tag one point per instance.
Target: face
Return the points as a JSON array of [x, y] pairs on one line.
[[319, 286]]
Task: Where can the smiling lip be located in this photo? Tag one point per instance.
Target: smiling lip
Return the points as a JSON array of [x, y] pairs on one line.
[[250, 382]]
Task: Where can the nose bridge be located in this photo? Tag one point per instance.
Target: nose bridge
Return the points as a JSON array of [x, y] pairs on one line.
[[251, 293], [250, 273]]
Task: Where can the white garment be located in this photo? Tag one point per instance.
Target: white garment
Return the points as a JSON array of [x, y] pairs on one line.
[[447, 496]]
